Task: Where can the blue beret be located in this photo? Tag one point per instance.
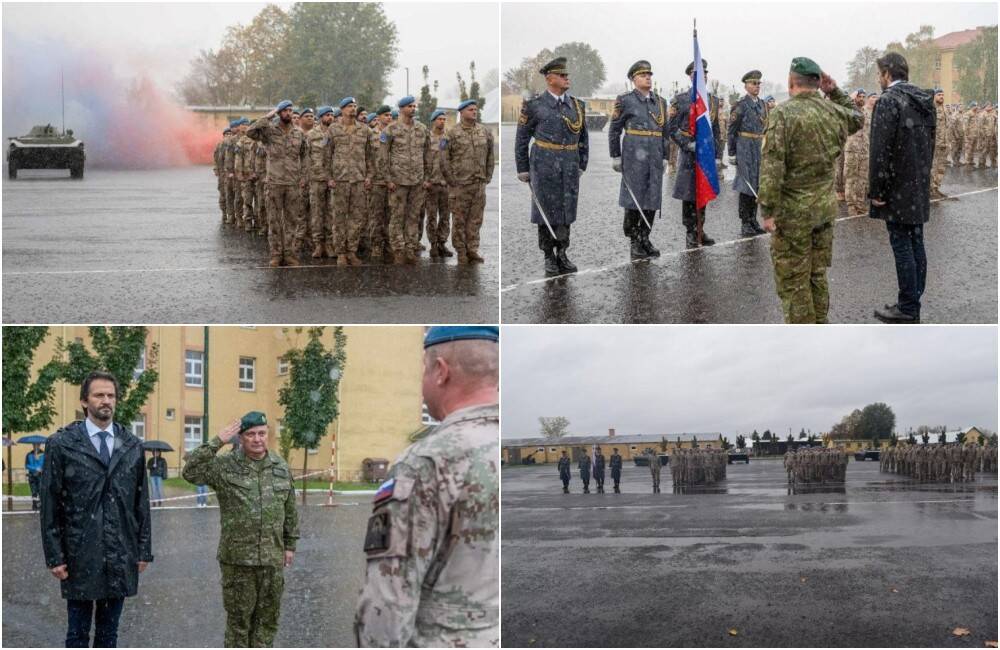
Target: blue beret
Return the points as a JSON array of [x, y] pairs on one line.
[[244, 120], [323, 110], [336, 112], [769, 98], [971, 104], [347, 100], [445, 334], [251, 420], [467, 103], [436, 114], [226, 130], [406, 101], [234, 124], [287, 103], [395, 112], [307, 110], [371, 117]]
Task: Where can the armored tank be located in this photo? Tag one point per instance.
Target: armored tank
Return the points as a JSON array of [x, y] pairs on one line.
[[45, 148]]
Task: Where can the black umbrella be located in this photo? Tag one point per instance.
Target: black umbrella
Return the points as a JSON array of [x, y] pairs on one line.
[[150, 445], [31, 440]]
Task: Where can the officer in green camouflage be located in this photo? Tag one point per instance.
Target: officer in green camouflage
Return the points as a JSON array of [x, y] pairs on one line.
[[433, 542], [803, 139], [260, 527]]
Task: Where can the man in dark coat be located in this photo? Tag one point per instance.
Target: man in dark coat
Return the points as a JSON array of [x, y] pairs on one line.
[[557, 122], [616, 469], [746, 132], [640, 156], [599, 470], [584, 465], [564, 471], [95, 515], [680, 110], [899, 179]]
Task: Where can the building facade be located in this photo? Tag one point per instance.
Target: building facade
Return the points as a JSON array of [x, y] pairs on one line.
[[946, 74], [517, 451]]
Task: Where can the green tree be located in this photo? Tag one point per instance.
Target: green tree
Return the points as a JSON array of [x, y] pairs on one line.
[[585, 65], [310, 397], [862, 71], [119, 351], [525, 79], [767, 435], [428, 101], [755, 436], [802, 434], [976, 63], [960, 437], [877, 420], [741, 442], [471, 90], [554, 427], [694, 442]]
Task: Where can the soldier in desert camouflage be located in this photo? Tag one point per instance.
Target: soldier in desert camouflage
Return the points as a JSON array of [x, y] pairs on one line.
[[432, 543]]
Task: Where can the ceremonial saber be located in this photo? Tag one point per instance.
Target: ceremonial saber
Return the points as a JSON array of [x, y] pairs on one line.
[[542, 212], [747, 183], [636, 201]]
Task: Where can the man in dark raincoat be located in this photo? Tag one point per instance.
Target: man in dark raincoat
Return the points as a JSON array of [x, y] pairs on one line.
[[584, 465], [640, 156], [680, 109], [95, 515], [557, 122], [899, 179], [746, 131], [564, 471]]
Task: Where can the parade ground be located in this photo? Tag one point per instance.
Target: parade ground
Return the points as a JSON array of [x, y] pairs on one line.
[[733, 281], [877, 561], [148, 247], [179, 603]]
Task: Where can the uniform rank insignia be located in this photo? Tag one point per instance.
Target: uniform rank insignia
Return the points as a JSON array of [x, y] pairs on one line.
[[523, 117], [385, 490], [444, 144], [377, 535]]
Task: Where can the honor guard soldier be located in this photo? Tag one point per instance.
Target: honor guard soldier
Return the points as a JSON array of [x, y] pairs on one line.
[[599, 470], [640, 156], [746, 132], [680, 109], [564, 471], [557, 123], [616, 469]]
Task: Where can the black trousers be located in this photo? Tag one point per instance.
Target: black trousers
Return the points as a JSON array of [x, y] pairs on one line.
[[633, 225], [616, 476], [748, 207], [565, 480], [907, 242], [689, 216], [547, 243], [599, 479], [105, 618]]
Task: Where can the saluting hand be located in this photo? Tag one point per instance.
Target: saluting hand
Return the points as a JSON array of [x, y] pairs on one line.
[[289, 556], [231, 431], [826, 83]]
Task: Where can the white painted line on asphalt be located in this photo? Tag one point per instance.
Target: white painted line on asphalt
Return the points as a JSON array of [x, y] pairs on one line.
[[677, 254]]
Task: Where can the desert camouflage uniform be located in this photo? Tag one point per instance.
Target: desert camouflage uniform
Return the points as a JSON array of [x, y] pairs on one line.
[[320, 219], [940, 151], [286, 156], [856, 168], [436, 215], [988, 137], [260, 189], [378, 198], [957, 133], [408, 164], [352, 161], [244, 166], [229, 166], [971, 136], [466, 154], [218, 166], [433, 542], [804, 136], [259, 523]]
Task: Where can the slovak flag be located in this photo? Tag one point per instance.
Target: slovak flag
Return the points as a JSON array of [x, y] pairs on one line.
[[706, 178]]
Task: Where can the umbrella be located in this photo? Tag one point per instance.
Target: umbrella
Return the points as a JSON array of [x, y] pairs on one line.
[[31, 440], [156, 444]]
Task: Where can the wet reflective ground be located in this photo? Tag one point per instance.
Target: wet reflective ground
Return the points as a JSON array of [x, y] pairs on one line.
[[875, 562], [180, 599], [148, 247], [733, 281]]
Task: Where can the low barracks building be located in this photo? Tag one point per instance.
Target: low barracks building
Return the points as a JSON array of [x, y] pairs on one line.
[[516, 451], [380, 407]]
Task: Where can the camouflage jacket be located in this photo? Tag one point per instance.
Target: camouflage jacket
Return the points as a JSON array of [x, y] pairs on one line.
[[803, 138], [941, 133], [286, 151], [245, 148], [408, 162], [318, 144], [352, 153], [435, 175], [466, 155], [433, 541], [260, 160], [218, 157], [380, 147], [229, 153], [256, 503]]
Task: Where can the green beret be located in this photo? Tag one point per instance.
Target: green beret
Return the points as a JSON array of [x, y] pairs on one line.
[[806, 67], [251, 420], [384, 108]]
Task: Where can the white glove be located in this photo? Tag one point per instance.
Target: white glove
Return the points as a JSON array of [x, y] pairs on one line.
[[732, 161], [524, 177], [689, 147], [616, 164]]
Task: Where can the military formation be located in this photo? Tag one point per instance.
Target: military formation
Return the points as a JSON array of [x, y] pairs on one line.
[[816, 465], [942, 463], [354, 186], [698, 466]]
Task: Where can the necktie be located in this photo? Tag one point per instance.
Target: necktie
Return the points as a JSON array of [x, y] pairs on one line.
[[105, 452]]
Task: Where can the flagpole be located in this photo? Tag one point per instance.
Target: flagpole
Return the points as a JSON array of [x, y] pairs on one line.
[[699, 221]]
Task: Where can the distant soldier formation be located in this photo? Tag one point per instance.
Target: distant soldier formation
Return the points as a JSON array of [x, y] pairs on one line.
[[816, 465], [698, 466], [355, 186], [942, 463]]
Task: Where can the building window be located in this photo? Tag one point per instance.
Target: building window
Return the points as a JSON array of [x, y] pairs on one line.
[[140, 365], [194, 368], [937, 63], [282, 366], [425, 416], [139, 427], [633, 447], [541, 449], [192, 431], [552, 449], [247, 373]]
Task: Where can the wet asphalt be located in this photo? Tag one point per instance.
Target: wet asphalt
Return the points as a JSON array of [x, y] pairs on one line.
[[179, 603], [148, 247], [878, 561], [733, 281]]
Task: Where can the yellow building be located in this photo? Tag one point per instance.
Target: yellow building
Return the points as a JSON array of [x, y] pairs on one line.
[[946, 75], [381, 403], [548, 450], [219, 117]]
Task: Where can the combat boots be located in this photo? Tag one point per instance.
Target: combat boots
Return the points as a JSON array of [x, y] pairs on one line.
[[330, 251], [342, 260], [586, 490], [617, 490], [474, 256], [565, 266], [551, 264], [291, 260], [353, 259], [565, 490], [317, 251], [692, 239], [411, 257], [398, 258], [443, 250], [651, 251], [636, 250], [462, 259], [747, 230], [435, 250], [275, 261]]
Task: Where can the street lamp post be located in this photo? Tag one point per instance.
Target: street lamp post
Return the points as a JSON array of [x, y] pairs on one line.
[[335, 375]]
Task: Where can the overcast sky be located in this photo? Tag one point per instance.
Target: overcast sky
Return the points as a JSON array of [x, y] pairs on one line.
[[162, 38], [734, 37], [659, 380]]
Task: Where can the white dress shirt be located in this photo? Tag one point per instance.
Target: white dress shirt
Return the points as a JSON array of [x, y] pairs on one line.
[[93, 430]]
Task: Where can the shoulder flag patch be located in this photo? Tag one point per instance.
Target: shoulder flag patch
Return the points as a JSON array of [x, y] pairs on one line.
[[444, 144], [385, 490], [383, 138]]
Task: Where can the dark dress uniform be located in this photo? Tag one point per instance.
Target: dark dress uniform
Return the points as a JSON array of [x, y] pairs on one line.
[[584, 465], [555, 160], [746, 132], [564, 473], [643, 150], [680, 109], [616, 470], [599, 471]]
